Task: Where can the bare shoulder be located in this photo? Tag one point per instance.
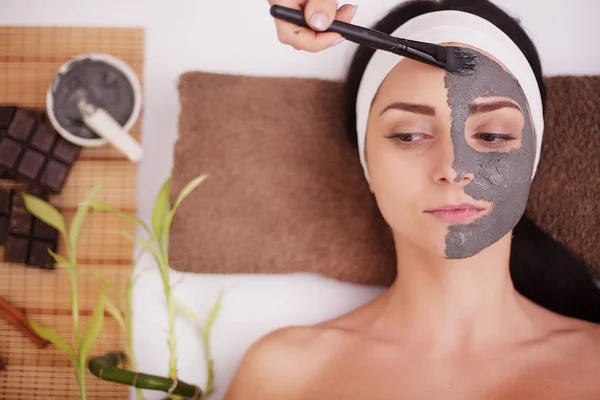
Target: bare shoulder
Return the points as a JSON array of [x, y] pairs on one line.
[[581, 356], [580, 339], [590, 336], [280, 364]]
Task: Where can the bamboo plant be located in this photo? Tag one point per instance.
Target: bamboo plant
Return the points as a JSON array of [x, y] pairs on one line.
[[121, 312], [204, 331], [107, 366], [84, 341]]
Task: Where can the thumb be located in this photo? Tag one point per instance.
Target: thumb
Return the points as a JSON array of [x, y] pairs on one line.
[[319, 14]]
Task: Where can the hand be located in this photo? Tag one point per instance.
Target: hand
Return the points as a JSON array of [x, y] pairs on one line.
[[319, 14]]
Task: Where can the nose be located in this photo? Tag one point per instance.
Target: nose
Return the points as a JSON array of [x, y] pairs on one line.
[[444, 172]]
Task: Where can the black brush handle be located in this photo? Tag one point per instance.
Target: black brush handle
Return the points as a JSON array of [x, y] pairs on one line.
[[354, 33]]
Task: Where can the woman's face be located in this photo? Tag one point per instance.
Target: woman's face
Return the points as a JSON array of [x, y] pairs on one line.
[[438, 141]]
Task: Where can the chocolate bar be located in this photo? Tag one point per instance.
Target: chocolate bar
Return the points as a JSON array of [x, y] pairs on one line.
[[27, 238], [31, 150], [5, 195]]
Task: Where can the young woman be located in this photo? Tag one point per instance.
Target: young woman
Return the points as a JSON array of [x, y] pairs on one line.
[[474, 313]]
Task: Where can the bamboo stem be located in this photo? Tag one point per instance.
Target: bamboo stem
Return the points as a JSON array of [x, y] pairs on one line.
[[164, 249], [75, 306], [81, 378], [17, 318], [105, 367], [171, 336]]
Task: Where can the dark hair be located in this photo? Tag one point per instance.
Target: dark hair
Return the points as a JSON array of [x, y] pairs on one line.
[[542, 269]]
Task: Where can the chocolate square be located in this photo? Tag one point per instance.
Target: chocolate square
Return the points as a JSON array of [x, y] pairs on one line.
[[43, 138], [9, 152], [7, 174], [38, 191], [33, 150], [31, 164], [3, 228], [20, 222], [16, 249], [65, 151], [36, 114], [17, 200], [42, 230], [22, 125], [39, 255], [6, 116], [27, 238], [5, 195], [54, 175]]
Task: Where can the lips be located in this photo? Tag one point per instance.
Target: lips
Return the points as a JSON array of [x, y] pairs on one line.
[[457, 213]]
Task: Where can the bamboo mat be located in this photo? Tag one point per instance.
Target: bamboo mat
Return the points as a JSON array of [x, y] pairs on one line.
[[29, 58]]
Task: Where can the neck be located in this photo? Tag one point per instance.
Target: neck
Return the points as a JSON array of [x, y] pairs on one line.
[[454, 304]]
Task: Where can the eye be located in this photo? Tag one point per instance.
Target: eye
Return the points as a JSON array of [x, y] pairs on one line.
[[407, 139], [494, 140]]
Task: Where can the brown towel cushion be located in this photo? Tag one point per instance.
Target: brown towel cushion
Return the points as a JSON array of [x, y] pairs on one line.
[[286, 192], [565, 195]]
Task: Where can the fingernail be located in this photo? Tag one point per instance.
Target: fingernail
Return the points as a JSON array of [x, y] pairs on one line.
[[319, 21], [354, 11], [336, 42]]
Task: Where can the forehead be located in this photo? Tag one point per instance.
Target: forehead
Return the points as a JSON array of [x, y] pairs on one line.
[[415, 79], [490, 78], [412, 81]]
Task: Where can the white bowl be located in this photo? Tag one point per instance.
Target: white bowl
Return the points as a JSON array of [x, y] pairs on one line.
[[113, 61]]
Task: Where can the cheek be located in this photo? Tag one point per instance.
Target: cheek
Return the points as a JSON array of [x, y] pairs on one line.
[[394, 168], [494, 171], [499, 177], [398, 181]]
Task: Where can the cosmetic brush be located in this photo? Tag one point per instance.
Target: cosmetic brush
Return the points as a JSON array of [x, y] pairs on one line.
[[453, 59]]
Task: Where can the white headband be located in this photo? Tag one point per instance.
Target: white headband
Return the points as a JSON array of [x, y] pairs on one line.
[[451, 26]]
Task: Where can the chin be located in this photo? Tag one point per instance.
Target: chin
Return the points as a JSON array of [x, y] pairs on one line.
[[434, 249]]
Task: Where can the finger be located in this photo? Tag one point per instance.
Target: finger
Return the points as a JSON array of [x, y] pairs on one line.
[[297, 4], [284, 28], [313, 42], [346, 13], [319, 14], [309, 40]]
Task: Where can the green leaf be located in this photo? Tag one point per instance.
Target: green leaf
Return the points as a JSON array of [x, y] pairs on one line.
[[188, 189], [212, 316], [137, 258], [61, 260], [185, 310], [105, 281], [116, 314], [185, 192], [81, 214], [144, 243], [51, 335], [179, 282], [45, 211], [93, 331], [127, 308], [135, 277], [161, 206], [98, 206]]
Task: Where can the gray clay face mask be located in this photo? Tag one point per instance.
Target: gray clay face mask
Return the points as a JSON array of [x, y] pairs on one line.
[[502, 178]]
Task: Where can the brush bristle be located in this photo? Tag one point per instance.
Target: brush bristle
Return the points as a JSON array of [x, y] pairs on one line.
[[460, 61]]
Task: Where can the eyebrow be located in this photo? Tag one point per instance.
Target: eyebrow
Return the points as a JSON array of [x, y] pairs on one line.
[[411, 107], [493, 106]]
